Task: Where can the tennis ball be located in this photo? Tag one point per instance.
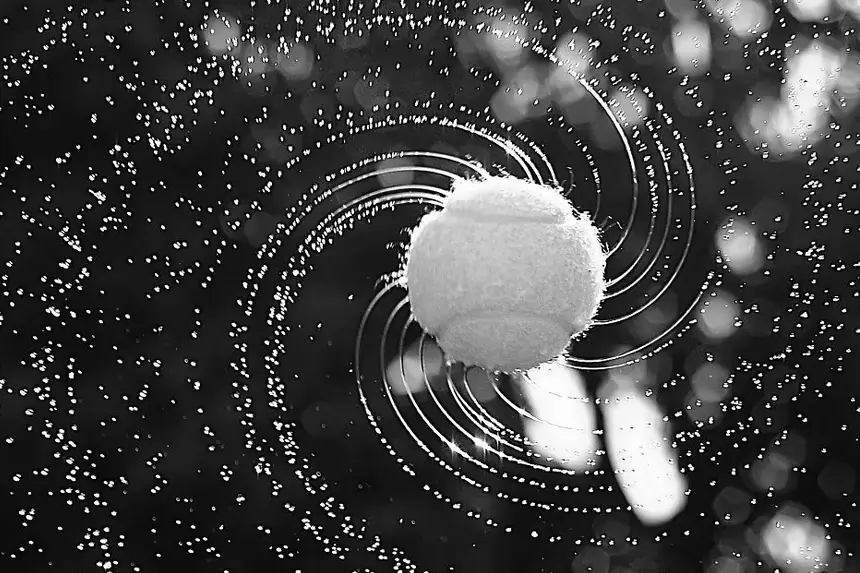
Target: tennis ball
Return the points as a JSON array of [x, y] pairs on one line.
[[505, 274]]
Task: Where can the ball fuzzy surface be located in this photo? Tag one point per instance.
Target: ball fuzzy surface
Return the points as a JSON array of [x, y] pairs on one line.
[[505, 274]]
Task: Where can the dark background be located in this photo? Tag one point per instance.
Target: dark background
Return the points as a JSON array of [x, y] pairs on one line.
[[133, 434]]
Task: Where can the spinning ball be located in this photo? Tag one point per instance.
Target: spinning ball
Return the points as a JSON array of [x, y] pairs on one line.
[[505, 274]]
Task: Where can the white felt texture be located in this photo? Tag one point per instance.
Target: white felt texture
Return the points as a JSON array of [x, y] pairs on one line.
[[505, 274]]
